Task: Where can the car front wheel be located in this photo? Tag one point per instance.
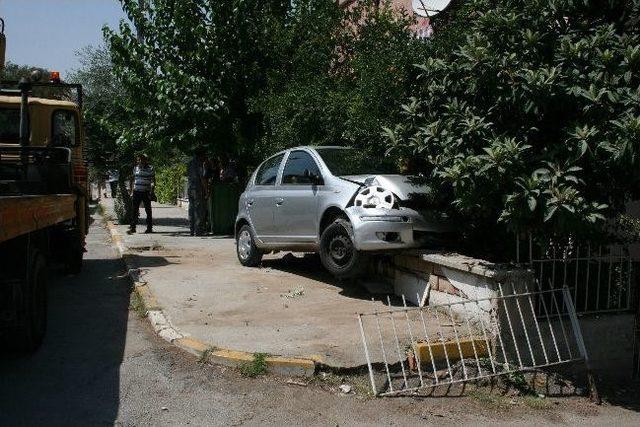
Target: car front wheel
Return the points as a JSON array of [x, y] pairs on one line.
[[248, 254], [338, 252]]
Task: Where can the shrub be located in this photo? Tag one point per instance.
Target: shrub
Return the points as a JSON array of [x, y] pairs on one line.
[[169, 182], [533, 121]]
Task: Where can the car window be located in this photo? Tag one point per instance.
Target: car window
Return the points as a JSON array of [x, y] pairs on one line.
[[64, 128], [297, 163], [269, 171]]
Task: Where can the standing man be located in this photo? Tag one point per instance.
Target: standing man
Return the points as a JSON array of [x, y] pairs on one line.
[[196, 191], [144, 179]]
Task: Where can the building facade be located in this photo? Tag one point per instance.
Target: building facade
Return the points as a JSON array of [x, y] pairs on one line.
[[422, 27]]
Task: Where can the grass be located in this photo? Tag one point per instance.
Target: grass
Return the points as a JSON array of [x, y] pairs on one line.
[[518, 381], [258, 366], [204, 357], [536, 402], [489, 400], [358, 382], [136, 303]]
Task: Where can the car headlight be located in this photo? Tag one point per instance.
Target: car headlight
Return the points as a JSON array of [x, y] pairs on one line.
[[375, 197]]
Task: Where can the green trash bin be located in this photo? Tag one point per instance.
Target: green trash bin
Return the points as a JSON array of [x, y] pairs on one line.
[[223, 207]]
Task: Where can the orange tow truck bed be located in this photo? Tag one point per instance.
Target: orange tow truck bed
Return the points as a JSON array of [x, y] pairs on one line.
[[23, 214]]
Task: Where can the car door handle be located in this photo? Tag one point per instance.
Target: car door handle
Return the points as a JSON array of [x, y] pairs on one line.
[[279, 201]]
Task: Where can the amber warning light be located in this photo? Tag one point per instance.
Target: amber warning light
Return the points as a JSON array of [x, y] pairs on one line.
[[55, 77]]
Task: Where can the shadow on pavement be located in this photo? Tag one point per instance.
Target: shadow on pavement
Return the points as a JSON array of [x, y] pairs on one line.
[[74, 378], [166, 222], [147, 261], [309, 266], [625, 394]]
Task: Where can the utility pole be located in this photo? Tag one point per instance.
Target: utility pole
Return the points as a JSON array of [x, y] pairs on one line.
[[3, 44]]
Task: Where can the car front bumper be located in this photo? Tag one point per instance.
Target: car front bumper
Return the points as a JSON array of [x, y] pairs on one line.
[[383, 229]]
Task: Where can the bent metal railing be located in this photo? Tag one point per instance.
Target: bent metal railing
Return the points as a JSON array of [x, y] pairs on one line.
[[412, 349]]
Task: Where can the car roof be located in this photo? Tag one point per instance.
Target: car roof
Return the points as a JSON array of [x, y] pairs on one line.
[[321, 147], [307, 147], [315, 148]]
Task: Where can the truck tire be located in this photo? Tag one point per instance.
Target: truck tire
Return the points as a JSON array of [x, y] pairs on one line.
[[30, 323], [75, 251], [338, 252]]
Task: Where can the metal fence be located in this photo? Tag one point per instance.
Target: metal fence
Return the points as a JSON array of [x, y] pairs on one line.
[[599, 277], [413, 349]]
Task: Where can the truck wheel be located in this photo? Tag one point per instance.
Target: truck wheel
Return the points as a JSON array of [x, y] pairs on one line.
[[338, 252], [248, 254], [75, 252], [27, 333]]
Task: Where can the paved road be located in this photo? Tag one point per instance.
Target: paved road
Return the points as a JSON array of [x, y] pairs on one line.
[[101, 365]]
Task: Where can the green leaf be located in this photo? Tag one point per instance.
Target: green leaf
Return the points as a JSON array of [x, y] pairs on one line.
[[549, 213]]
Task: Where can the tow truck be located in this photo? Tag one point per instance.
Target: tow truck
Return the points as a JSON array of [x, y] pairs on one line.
[[43, 201]]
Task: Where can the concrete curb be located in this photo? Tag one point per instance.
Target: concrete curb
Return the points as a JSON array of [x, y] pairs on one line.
[[204, 351]]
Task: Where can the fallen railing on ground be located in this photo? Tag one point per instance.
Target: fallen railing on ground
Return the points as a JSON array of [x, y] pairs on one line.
[[435, 346]]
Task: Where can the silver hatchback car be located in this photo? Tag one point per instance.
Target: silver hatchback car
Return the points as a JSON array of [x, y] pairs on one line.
[[334, 201]]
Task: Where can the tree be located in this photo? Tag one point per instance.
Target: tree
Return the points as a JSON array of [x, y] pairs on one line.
[[192, 76], [246, 78], [104, 115], [533, 121], [16, 72], [106, 121], [344, 75]]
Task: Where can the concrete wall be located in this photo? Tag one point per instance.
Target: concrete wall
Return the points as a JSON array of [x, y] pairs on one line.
[[437, 278]]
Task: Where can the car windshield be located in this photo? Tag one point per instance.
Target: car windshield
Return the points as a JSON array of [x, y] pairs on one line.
[[348, 161]]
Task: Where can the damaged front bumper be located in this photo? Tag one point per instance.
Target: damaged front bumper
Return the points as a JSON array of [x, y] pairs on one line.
[[383, 229]]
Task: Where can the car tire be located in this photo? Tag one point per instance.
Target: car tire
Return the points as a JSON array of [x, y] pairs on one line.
[[338, 253], [248, 253]]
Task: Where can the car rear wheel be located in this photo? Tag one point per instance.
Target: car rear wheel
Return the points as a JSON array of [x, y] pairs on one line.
[[248, 254], [338, 252]]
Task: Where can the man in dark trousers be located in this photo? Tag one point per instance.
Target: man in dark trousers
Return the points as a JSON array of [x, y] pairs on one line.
[[196, 192], [144, 179]]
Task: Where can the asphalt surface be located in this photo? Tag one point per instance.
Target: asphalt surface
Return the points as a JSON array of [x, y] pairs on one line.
[[102, 365]]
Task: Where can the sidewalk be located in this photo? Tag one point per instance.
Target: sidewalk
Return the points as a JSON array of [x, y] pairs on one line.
[[289, 307]]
